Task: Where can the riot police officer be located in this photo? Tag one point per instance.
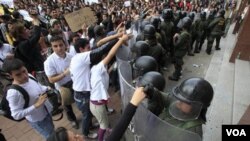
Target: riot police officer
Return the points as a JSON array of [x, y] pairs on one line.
[[143, 65], [198, 32], [156, 22], [181, 44], [187, 104], [217, 28], [154, 83], [140, 48], [168, 27], [203, 32], [155, 49]]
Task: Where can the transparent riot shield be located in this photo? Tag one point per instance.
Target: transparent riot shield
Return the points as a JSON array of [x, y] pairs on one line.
[[124, 53], [125, 79], [145, 126], [149, 127]]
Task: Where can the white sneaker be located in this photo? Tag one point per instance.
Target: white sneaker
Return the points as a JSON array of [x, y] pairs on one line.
[[92, 135]]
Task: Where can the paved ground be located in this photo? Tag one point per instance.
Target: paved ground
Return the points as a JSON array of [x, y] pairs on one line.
[[196, 66]]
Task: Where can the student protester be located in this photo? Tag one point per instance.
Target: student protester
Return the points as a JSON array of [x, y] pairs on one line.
[[56, 69], [80, 74], [36, 113], [27, 48], [100, 83]]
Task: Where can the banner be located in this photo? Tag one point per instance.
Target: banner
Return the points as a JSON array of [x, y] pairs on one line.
[[77, 18]]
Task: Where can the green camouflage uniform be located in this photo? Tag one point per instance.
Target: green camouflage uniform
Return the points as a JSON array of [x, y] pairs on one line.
[[217, 28]]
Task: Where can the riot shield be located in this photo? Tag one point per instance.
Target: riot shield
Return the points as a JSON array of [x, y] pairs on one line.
[[125, 79], [145, 126], [149, 127], [124, 52]]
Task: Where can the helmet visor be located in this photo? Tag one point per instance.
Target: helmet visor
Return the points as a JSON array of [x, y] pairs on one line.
[[183, 110]]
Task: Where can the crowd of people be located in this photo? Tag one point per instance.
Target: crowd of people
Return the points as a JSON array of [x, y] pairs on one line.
[[79, 64]]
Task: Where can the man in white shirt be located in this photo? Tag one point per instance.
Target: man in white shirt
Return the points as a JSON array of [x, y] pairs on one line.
[[36, 113], [80, 74], [56, 69]]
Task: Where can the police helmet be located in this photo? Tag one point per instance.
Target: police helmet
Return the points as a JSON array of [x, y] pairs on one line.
[[191, 15], [149, 31], [190, 98], [203, 15], [143, 65], [156, 22], [167, 14], [140, 48], [186, 23], [143, 24], [154, 79]]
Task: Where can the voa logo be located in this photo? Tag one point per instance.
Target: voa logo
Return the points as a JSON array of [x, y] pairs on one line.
[[236, 132]]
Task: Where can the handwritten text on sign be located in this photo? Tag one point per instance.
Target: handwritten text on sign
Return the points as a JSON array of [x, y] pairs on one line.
[[77, 18]]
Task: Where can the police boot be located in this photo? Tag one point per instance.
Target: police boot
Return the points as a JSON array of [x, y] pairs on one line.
[[190, 54], [196, 49], [217, 46], [208, 52], [209, 48]]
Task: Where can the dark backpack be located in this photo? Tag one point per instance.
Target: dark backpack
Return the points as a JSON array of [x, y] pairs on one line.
[[4, 105]]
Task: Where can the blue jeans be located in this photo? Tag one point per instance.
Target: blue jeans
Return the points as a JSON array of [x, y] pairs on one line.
[[82, 102], [44, 127]]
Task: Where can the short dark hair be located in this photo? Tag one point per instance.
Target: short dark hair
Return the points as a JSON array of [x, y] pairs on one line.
[[10, 65], [80, 43], [59, 135], [56, 38], [73, 35]]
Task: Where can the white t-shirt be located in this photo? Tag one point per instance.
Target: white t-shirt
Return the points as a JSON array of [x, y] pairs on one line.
[[99, 82], [56, 65], [80, 71], [72, 50], [16, 102], [5, 50], [91, 43]]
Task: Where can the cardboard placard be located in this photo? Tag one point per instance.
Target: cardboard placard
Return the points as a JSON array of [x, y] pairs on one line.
[[77, 18]]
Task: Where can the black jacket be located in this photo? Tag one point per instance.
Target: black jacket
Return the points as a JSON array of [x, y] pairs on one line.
[[123, 123], [28, 50]]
